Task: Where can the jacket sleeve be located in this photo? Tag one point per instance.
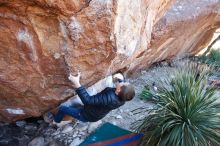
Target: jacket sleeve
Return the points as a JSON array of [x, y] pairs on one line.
[[99, 99]]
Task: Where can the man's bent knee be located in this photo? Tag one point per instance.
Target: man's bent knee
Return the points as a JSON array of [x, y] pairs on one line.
[[63, 108]]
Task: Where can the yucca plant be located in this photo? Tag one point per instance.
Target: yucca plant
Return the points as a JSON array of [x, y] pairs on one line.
[[148, 95], [212, 58], [187, 114]]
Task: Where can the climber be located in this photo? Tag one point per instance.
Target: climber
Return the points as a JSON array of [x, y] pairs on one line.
[[97, 106]]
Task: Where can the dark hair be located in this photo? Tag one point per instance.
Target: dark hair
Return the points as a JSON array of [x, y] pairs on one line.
[[127, 92]]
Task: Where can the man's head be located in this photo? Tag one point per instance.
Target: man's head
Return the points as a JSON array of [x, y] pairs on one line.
[[125, 91]]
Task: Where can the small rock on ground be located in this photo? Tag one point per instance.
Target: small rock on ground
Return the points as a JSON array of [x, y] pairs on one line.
[[38, 141]]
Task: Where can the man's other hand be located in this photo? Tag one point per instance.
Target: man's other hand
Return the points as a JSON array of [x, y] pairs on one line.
[[75, 80], [117, 78]]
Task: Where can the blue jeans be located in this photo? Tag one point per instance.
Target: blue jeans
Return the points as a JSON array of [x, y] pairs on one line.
[[71, 111]]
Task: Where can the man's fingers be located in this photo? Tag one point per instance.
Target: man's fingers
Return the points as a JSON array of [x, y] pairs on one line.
[[74, 76], [79, 74], [70, 76], [118, 76]]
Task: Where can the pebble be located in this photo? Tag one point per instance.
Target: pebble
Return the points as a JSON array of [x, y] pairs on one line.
[[127, 110], [21, 123], [130, 113], [76, 131], [93, 126], [83, 128], [74, 135], [119, 117], [38, 141], [180, 7], [55, 133], [76, 142], [40, 121], [67, 129], [57, 136], [30, 127], [164, 63], [82, 133], [81, 125], [53, 143], [114, 123], [63, 123]]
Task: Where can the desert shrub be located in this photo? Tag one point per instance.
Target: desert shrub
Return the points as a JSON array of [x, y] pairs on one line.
[[148, 94], [213, 58], [188, 112]]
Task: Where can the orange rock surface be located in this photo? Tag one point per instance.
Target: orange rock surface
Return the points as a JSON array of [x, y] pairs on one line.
[[185, 29]]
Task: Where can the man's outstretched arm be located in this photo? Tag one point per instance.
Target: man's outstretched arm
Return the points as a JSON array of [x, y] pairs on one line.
[[97, 99]]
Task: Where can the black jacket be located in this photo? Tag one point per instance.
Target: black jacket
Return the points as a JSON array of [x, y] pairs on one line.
[[99, 105]]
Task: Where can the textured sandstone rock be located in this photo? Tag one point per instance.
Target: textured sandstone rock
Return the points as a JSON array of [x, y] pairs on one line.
[[184, 30], [42, 40]]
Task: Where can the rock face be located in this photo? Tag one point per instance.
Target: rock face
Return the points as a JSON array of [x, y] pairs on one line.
[[186, 29], [42, 40]]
